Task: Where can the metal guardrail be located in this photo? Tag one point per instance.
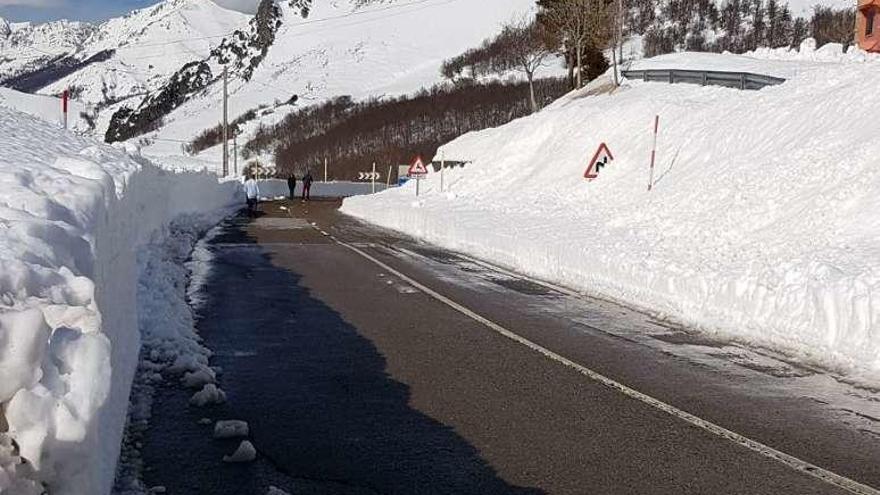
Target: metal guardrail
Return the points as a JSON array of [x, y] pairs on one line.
[[738, 80]]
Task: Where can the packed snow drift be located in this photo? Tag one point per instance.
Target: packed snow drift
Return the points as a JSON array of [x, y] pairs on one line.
[[74, 214], [762, 225]]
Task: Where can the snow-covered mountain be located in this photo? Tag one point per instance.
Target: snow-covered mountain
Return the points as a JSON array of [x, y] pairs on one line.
[[117, 58], [344, 47]]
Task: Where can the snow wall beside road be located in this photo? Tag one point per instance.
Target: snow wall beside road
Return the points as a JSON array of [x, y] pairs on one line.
[[762, 226], [73, 215]]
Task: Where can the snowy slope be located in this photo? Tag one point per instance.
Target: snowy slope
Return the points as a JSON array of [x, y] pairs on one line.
[[387, 48], [73, 215], [48, 108], [149, 44], [25, 46], [762, 226]]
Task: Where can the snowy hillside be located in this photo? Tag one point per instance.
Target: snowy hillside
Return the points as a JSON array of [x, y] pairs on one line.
[[386, 48], [48, 108], [762, 225], [143, 47], [73, 216]]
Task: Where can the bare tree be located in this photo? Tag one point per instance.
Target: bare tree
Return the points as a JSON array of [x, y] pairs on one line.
[[523, 49], [521, 46], [578, 24]]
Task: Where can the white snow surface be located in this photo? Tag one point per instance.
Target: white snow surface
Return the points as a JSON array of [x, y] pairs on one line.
[[73, 217], [48, 108], [761, 228]]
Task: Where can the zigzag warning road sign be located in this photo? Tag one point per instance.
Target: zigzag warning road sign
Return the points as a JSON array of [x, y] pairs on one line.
[[602, 158]]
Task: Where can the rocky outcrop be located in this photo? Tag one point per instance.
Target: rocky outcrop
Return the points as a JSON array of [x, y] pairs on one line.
[[127, 123], [241, 53]]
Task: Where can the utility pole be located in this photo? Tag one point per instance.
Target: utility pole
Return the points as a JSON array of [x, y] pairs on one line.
[[225, 122], [64, 98], [617, 49], [235, 155]]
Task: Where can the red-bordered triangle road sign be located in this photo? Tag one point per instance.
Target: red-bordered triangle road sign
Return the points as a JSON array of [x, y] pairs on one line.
[[418, 168], [602, 158]]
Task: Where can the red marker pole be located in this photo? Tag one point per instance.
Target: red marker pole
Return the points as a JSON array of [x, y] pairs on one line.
[[64, 97], [654, 152]]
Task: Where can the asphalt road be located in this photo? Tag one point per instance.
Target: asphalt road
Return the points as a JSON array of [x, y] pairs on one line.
[[354, 380]]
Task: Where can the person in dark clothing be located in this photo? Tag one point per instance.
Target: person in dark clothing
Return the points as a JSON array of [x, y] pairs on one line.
[[291, 184], [307, 186]]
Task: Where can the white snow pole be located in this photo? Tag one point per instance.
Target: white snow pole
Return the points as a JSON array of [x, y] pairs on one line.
[[325, 170], [373, 177], [653, 153], [388, 180]]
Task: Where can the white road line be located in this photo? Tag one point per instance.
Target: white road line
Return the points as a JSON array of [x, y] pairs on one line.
[[790, 461]]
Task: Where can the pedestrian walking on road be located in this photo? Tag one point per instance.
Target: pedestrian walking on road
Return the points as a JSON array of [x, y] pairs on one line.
[[307, 186], [252, 192], [291, 184]]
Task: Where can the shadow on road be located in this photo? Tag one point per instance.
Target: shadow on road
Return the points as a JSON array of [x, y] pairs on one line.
[[324, 414]]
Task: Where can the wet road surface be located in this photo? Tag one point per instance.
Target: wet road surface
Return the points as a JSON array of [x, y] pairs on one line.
[[355, 381]]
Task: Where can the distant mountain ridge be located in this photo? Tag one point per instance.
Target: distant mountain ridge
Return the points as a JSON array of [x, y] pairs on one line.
[[135, 46]]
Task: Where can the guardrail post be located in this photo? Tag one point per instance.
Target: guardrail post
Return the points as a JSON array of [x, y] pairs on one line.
[[705, 78], [672, 77], [742, 81]]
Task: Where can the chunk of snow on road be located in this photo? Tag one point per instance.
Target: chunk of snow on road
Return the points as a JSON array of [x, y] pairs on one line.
[[245, 453], [199, 378], [274, 490], [16, 475], [231, 429], [208, 395]]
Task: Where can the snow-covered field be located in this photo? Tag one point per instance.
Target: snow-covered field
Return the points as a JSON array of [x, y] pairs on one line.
[[762, 226], [74, 216]]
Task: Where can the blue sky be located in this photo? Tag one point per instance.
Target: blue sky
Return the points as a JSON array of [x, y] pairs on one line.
[[86, 10]]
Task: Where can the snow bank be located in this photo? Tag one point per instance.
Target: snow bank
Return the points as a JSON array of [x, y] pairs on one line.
[[763, 224], [48, 108], [73, 216]]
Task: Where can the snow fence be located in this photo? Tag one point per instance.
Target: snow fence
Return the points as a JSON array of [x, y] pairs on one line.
[[73, 215], [762, 225]]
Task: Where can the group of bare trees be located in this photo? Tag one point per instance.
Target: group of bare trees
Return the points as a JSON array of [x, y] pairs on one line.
[[352, 135], [576, 30], [732, 25]]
